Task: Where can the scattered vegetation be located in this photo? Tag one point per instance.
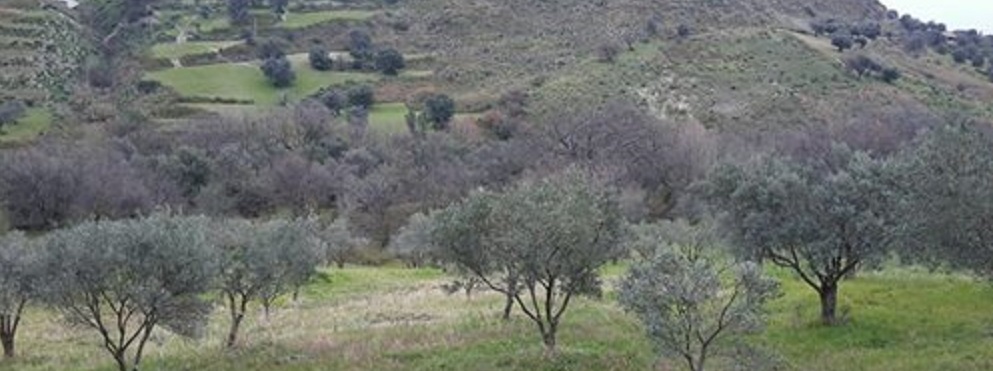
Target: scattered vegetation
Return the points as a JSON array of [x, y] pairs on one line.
[[693, 185]]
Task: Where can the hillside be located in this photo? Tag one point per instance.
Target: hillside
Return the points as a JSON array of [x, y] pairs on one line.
[[726, 64], [493, 185], [41, 56], [495, 40], [743, 63]]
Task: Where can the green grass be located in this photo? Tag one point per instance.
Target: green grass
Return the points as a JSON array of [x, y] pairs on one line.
[[388, 118], [392, 318], [37, 121], [174, 50], [245, 81], [302, 20], [898, 320], [391, 118]]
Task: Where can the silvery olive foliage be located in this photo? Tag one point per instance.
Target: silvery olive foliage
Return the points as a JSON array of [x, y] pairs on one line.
[[20, 282], [648, 238], [338, 242], [541, 242], [413, 242], [124, 279], [262, 261], [694, 302], [821, 219], [947, 208]]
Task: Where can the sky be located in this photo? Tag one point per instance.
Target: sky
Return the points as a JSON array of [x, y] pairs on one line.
[[957, 14]]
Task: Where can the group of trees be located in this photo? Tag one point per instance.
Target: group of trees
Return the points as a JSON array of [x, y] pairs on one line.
[[126, 279], [275, 66], [366, 55], [964, 46], [697, 284], [845, 36], [864, 65]]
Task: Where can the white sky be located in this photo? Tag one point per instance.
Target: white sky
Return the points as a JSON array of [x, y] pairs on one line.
[[957, 14]]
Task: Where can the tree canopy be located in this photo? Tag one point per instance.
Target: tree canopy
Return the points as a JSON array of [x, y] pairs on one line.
[[822, 218], [543, 238], [123, 279]]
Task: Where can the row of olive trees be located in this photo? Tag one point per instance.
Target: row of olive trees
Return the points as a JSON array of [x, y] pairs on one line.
[[827, 216], [822, 215], [542, 243], [124, 279]]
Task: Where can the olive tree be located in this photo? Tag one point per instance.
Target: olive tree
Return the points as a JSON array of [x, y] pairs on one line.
[[439, 110], [413, 242], [694, 301], [261, 262], [948, 183], [124, 279], [279, 71], [389, 61], [540, 242], [413, 245], [338, 242], [647, 238], [821, 221], [19, 283]]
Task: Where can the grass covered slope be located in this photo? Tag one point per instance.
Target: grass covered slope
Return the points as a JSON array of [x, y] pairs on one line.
[[400, 319]]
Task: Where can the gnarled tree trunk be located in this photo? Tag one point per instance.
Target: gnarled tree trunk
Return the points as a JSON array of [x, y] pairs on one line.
[[829, 303]]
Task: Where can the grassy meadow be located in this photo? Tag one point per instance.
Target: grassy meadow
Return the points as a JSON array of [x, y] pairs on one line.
[[391, 318], [245, 81], [302, 20]]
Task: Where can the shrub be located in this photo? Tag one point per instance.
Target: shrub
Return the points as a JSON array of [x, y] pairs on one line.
[[10, 112], [271, 49], [890, 75], [279, 71], [389, 61], [361, 96], [439, 110], [842, 41], [320, 59]]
